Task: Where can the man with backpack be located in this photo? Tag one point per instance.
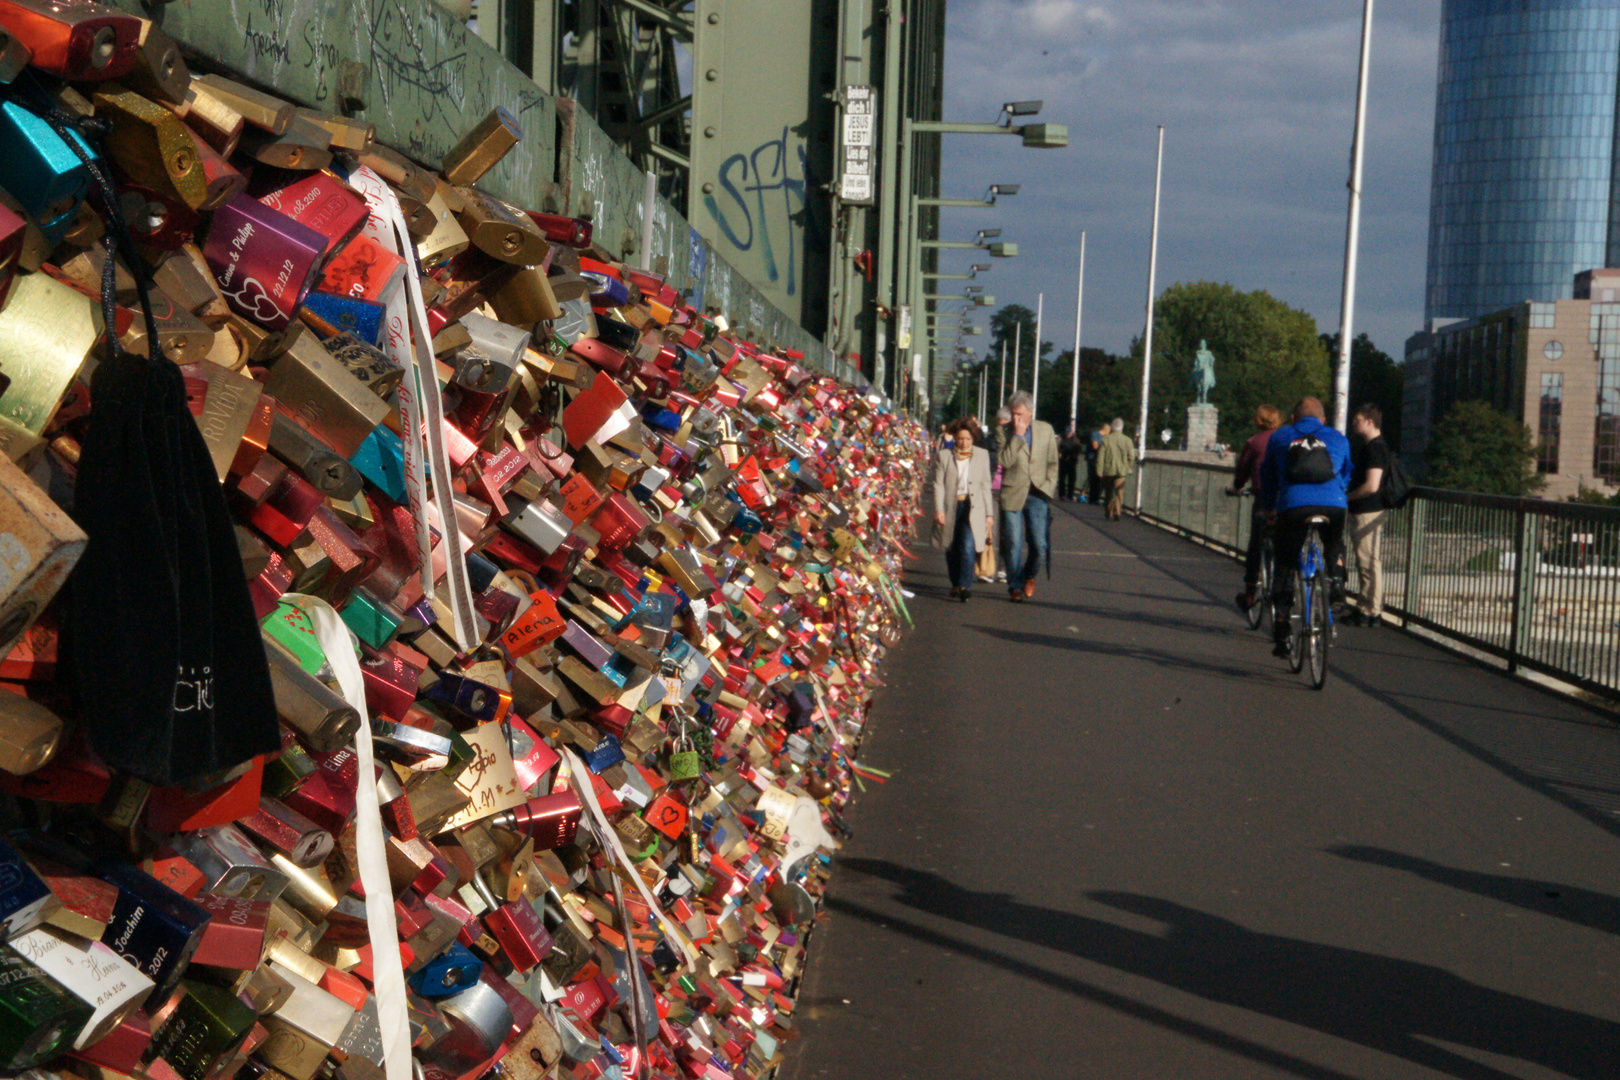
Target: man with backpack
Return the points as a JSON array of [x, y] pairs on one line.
[[1306, 474], [1368, 503]]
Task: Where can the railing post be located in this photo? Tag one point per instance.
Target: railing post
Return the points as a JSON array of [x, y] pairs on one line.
[[1209, 491], [1525, 543], [1418, 508]]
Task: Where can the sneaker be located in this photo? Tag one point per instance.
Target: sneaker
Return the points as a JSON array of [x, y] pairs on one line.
[[908, 594], [1001, 575], [986, 577]]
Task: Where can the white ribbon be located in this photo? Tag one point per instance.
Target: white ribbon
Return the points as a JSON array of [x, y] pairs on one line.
[[411, 346], [581, 777], [388, 975]]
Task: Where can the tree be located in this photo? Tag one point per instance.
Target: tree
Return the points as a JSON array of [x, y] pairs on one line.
[[1475, 448], [1375, 377], [1012, 325], [1110, 386], [1265, 353]]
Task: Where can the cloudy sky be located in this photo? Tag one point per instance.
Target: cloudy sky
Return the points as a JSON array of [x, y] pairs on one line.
[[1257, 98]]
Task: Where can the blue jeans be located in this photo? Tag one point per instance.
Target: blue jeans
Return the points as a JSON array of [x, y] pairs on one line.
[[1023, 539], [960, 555]]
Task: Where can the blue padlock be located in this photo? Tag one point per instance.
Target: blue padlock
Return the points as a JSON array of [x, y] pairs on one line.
[[451, 972], [604, 755], [41, 171], [350, 314]]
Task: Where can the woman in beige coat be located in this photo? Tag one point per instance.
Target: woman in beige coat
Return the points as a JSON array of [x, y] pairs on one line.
[[963, 505]]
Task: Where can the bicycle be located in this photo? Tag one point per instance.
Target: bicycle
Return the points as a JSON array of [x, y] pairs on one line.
[[1263, 609], [1310, 621]]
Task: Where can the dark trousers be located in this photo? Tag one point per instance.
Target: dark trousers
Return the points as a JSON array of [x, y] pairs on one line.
[[1093, 482], [1257, 537], [1068, 467], [960, 555], [1289, 531]]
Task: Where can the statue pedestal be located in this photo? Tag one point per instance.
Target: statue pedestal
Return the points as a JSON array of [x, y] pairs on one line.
[[1203, 423]]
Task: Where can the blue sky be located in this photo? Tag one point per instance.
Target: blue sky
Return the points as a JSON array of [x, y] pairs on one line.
[[1257, 98]]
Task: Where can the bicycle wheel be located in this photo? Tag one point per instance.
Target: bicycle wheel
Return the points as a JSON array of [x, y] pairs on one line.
[[1319, 634], [1297, 614], [1256, 612]]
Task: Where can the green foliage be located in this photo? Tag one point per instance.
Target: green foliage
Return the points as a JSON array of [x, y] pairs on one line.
[[1375, 376], [1265, 353], [1475, 448], [1594, 497]]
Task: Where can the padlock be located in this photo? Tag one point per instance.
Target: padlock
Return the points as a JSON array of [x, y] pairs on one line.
[[321, 394], [481, 148], [151, 146], [304, 146], [203, 1029], [263, 260], [76, 40], [39, 1017]]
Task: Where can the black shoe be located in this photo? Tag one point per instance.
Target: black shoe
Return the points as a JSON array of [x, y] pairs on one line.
[[966, 595], [1281, 649], [1016, 595]]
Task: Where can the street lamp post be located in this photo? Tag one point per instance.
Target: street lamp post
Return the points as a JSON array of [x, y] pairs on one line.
[[1352, 240], [1035, 391], [906, 281], [1147, 337], [1079, 310]]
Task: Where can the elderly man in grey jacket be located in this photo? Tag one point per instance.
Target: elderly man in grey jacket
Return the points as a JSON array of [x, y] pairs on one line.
[[1027, 450]]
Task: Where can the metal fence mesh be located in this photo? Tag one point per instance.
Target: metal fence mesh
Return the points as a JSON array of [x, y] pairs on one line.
[[1535, 583]]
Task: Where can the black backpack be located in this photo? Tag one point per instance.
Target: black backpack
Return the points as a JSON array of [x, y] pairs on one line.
[[1309, 461], [1396, 487]]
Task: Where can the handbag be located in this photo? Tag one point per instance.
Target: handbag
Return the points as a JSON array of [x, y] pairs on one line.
[[985, 564]]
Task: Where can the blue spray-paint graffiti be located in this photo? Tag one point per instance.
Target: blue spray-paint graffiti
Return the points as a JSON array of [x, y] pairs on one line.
[[762, 172], [698, 268]]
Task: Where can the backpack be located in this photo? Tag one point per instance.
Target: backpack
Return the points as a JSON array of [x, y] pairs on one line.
[[1396, 487], [1309, 461]]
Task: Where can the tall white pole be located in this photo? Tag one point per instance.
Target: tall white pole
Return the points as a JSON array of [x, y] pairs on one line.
[[1035, 392], [984, 384], [1352, 242], [1079, 310], [1018, 348], [1001, 384], [1147, 337]]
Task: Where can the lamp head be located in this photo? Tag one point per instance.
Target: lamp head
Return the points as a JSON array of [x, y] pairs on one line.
[[986, 234], [1045, 136], [1022, 108], [1004, 251], [1004, 189]]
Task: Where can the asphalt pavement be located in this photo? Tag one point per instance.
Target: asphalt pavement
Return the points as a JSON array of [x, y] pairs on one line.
[[1123, 841]]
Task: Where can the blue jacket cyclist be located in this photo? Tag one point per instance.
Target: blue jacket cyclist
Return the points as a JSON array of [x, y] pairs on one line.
[[1306, 474]]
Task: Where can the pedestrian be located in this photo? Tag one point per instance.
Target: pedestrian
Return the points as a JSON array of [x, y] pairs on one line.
[[963, 505], [1069, 450], [1267, 418], [1094, 481], [1028, 452], [1115, 457], [1371, 458]]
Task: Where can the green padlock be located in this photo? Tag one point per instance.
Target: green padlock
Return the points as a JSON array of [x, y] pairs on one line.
[[685, 763]]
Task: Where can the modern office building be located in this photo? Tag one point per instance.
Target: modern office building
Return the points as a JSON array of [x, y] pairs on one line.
[[1525, 193], [1554, 364], [1524, 201]]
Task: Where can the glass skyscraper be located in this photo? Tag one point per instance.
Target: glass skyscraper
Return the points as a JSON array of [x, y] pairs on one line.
[[1526, 189]]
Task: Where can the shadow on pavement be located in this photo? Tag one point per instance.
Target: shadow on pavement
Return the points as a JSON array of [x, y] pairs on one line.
[[1583, 907], [1168, 660], [1394, 1006]]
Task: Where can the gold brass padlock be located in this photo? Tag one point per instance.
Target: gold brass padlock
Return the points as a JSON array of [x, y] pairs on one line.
[[501, 232], [481, 148], [151, 146], [263, 111]]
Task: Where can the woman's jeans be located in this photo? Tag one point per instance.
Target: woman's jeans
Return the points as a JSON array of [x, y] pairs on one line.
[[960, 555]]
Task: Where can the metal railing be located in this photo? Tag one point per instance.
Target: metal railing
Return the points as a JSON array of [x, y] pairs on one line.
[[1534, 583]]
